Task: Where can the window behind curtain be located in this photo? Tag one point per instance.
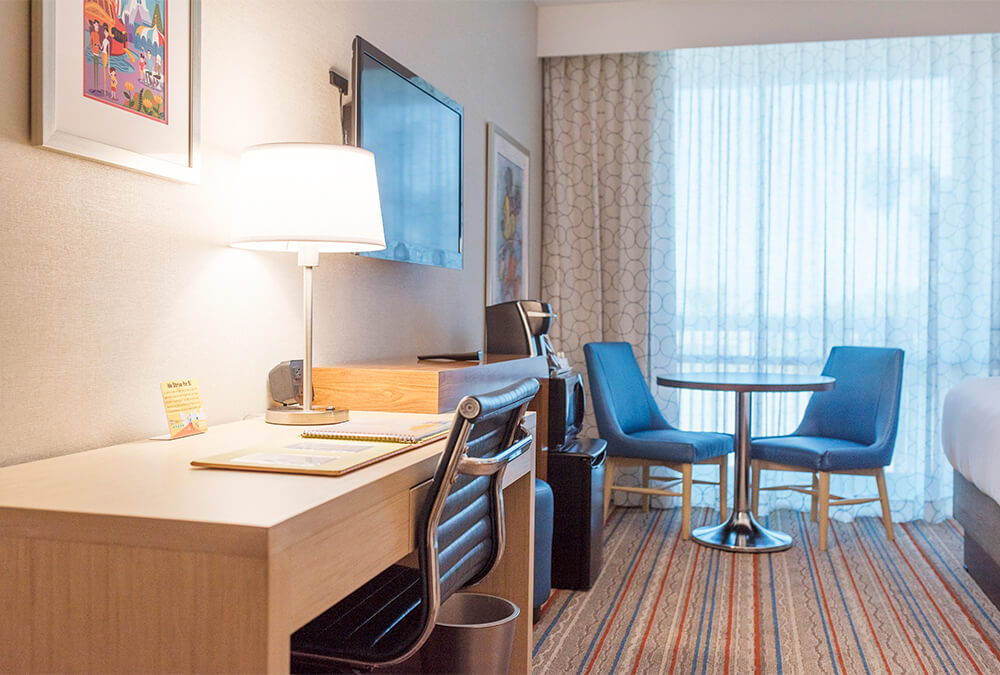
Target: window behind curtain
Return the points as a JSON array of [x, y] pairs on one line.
[[810, 195]]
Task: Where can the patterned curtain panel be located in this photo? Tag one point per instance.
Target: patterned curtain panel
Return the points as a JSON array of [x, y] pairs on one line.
[[598, 130], [803, 196]]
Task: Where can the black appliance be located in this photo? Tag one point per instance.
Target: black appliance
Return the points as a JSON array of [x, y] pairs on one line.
[[566, 407], [518, 327], [576, 474]]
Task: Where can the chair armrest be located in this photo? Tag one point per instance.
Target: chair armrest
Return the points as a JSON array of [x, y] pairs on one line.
[[475, 466]]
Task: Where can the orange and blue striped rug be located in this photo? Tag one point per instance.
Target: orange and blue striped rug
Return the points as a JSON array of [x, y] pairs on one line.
[[866, 605]]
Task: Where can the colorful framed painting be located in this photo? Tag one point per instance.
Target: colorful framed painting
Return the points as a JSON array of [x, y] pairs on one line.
[[508, 178], [118, 81]]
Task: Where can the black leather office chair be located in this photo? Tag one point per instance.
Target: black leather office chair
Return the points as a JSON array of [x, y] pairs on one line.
[[460, 538]]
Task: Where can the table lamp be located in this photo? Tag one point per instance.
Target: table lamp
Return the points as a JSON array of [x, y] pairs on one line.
[[307, 198]]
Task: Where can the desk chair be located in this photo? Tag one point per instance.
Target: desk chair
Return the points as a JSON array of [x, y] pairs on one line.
[[850, 429], [638, 435], [460, 538]]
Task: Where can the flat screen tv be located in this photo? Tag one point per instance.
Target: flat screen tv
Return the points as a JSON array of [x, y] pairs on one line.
[[415, 132]]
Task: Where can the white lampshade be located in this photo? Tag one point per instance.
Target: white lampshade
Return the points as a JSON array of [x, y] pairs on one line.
[[308, 195]]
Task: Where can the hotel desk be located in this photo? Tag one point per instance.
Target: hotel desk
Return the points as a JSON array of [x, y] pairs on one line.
[[127, 559]]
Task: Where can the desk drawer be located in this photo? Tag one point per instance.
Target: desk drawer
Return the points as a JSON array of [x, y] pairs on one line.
[[320, 570]]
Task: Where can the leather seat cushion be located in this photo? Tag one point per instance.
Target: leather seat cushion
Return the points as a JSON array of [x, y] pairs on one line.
[[374, 620], [815, 453], [672, 445]]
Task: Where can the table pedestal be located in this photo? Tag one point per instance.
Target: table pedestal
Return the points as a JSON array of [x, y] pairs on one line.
[[742, 533]]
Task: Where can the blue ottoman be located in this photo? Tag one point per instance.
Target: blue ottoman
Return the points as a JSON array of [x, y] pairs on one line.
[[543, 544]]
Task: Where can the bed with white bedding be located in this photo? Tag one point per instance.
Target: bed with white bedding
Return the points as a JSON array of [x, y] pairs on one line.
[[970, 435]]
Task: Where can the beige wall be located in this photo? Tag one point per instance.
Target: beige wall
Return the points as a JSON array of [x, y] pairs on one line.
[[652, 25], [112, 281]]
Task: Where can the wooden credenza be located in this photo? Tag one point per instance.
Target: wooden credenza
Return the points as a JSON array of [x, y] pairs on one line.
[[408, 385]]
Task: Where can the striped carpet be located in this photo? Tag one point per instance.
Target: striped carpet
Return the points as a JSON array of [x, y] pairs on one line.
[[662, 605]]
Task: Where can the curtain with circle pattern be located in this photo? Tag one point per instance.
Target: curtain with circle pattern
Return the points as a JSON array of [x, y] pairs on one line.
[[596, 203]]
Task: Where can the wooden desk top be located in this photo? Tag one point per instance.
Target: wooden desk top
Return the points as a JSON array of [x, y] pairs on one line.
[[151, 496], [153, 479]]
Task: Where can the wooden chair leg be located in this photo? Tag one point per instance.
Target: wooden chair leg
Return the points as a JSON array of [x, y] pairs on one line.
[[883, 496], [645, 484], [754, 486], [813, 498], [723, 487], [609, 479], [824, 507], [686, 501]]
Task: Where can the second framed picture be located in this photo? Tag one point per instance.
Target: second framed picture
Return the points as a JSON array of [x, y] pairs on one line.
[[507, 226]]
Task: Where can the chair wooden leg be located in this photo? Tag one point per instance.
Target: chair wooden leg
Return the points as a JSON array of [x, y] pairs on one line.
[[754, 486], [609, 480], [824, 507], [723, 487], [883, 496], [686, 501], [813, 498], [645, 484]]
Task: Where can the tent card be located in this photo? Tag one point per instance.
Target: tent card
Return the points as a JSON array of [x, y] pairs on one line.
[[182, 402]]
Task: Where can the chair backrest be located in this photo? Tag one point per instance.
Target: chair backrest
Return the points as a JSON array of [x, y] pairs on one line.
[[863, 406], [460, 529], [623, 403]]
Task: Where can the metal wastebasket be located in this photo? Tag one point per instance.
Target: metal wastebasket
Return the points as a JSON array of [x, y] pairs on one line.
[[474, 633]]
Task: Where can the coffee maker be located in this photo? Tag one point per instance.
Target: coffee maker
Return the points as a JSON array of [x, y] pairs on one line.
[[520, 327]]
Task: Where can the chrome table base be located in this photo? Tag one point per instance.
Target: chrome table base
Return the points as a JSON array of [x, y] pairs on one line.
[[742, 534]]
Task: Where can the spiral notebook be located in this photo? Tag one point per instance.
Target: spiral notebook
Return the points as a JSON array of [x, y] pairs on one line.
[[400, 428]]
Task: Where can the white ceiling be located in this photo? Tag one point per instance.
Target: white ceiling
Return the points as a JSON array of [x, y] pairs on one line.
[[542, 3]]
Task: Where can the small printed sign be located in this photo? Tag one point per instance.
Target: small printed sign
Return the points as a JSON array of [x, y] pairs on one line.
[[182, 401]]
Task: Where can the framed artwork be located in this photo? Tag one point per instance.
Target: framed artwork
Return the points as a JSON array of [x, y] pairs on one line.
[[118, 81], [507, 176]]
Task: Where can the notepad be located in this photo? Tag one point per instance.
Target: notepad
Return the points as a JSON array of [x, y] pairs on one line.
[[401, 428]]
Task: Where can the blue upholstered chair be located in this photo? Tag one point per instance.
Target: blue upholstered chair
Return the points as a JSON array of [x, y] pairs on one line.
[[638, 435], [850, 429]]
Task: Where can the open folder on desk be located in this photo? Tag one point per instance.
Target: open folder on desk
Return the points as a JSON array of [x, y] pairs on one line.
[[321, 457]]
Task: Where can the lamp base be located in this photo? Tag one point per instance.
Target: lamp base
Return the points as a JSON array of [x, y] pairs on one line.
[[294, 414]]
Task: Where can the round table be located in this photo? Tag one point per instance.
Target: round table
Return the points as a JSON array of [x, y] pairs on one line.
[[742, 533]]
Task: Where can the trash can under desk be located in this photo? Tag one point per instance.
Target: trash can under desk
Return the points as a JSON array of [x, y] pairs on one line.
[[576, 474]]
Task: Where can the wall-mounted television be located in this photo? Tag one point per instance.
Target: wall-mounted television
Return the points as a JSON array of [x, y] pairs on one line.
[[415, 132]]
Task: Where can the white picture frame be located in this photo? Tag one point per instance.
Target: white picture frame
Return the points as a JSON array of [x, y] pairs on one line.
[[69, 116], [508, 226]]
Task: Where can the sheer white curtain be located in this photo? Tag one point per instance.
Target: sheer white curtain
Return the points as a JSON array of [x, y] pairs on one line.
[[810, 195]]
